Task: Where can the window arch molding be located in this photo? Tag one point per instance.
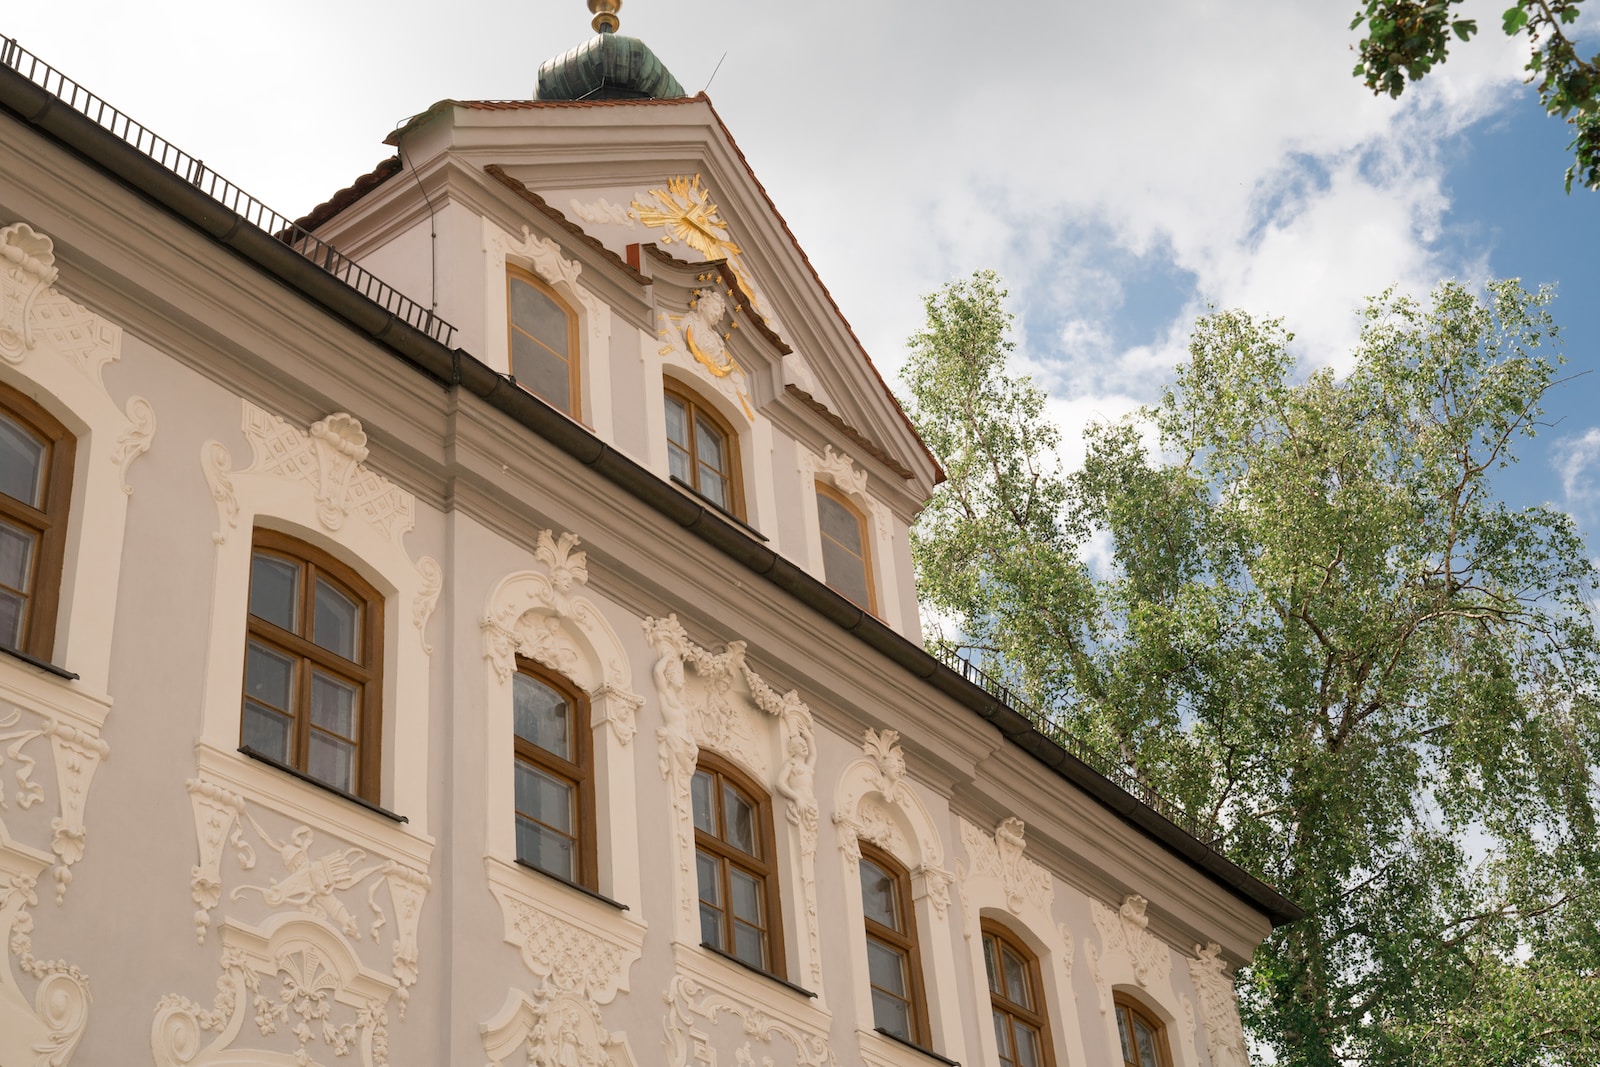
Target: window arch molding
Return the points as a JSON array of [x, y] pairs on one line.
[[840, 476], [874, 802], [541, 614], [1000, 884], [314, 485], [541, 257]]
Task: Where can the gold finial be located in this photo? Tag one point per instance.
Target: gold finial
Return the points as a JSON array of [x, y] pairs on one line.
[[605, 15]]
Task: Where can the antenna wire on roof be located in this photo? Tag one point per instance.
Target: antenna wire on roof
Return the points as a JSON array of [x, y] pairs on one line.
[[713, 73]]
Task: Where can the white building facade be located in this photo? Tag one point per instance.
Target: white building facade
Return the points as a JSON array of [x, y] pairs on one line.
[[543, 691]]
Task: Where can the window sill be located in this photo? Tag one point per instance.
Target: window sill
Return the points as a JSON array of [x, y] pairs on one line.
[[768, 975], [928, 1052], [43, 664], [718, 508], [592, 894], [293, 772]]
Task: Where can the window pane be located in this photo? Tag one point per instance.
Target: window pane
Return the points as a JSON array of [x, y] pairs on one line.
[[710, 926], [844, 573], [21, 462], [1016, 975], [535, 313], [713, 486], [269, 677], [891, 1014], [12, 609], [542, 716], [274, 590], [1002, 1037], [886, 967], [878, 896], [332, 761], [839, 523], [1122, 1031], [1027, 1044], [542, 797], [708, 873], [705, 816], [677, 423], [680, 465], [16, 557], [541, 371], [746, 893], [708, 442], [750, 945], [266, 731], [989, 964], [335, 705], [1147, 1043], [338, 623], [741, 816], [544, 848]]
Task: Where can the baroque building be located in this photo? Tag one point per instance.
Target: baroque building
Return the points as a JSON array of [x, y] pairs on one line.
[[475, 624]]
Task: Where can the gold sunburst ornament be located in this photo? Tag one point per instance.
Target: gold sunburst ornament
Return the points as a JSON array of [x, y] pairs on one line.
[[686, 212]]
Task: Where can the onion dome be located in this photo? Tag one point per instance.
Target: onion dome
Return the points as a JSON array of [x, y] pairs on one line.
[[608, 66]]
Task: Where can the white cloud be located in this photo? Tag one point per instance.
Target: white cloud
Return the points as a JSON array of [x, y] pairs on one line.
[[1577, 461]]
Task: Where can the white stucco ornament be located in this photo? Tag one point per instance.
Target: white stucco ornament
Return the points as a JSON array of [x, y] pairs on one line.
[[1126, 930], [1001, 856], [1219, 1006]]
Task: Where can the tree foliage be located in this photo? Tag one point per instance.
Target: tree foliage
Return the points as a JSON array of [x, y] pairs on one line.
[[1295, 603], [1405, 39]]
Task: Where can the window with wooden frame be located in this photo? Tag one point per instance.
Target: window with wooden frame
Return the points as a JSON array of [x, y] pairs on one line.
[[846, 558], [543, 341], [736, 866], [1144, 1039], [36, 454], [1016, 999], [313, 676], [894, 967], [703, 450], [554, 776]]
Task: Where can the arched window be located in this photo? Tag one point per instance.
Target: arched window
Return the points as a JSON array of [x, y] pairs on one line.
[[703, 451], [894, 967], [846, 559], [544, 341], [312, 673], [736, 866], [554, 776], [1144, 1039], [1016, 999], [35, 490]]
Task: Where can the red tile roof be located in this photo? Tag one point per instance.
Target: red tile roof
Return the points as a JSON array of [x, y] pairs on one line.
[[495, 171], [350, 194]]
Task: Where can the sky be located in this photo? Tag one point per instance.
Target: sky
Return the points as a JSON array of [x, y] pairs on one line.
[[1122, 166]]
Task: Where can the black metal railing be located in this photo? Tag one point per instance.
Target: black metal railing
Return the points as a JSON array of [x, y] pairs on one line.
[[1115, 772], [196, 173]]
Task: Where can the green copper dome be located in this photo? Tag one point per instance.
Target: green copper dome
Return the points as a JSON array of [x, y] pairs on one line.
[[607, 67]]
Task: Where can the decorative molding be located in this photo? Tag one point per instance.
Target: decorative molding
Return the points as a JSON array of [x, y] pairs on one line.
[[48, 1031], [296, 979], [553, 1030], [697, 341], [719, 717], [602, 212], [1186, 1031], [217, 464], [1127, 930], [1000, 856], [330, 884], [31, 312], [1219, 1006], [839, 469], [691, 1009], [76, 753], [427, 599], [541, 614], [684, 211], [543, 257], [135, 440], [1101, 986]]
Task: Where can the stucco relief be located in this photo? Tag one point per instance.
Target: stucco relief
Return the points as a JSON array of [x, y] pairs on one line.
[[335, 896], [581, 958], [542, 615], [1125, 930], [298, 984], [1219, 1006], [32, 313], [47, 1031], [721, 711], [697, 342], [427, 599], [1000, 855], [135, 441], [874, 803], [692, 1010], [838, 468]]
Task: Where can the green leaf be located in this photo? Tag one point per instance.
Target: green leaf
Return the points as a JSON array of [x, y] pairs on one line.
[[1465, 28], [1515, 18]]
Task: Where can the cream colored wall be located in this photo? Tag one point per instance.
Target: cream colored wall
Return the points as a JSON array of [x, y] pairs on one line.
[[204, 884]]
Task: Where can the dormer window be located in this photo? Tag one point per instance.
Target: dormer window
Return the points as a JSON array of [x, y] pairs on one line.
[[702, 451], [544, 341], [846, 561]]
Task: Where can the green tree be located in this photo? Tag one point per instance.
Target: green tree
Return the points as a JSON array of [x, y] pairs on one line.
[[1294, 603], [1405, 39]]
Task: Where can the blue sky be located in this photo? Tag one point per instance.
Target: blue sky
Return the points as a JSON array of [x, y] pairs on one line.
[[1121, 170]]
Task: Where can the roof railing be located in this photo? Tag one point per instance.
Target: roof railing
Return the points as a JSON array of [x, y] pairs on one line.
[[1118, 774], [209, 182]]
